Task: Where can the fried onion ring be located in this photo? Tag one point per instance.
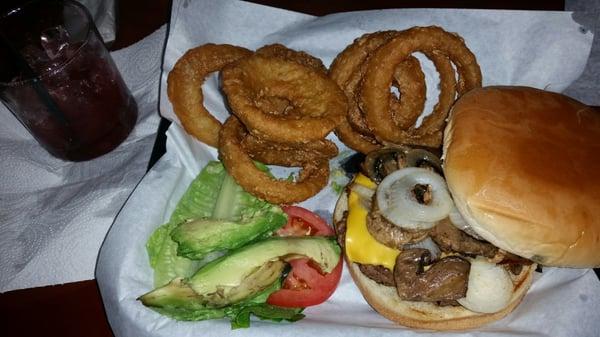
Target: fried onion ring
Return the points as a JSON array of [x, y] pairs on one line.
[[301, 57], [288, 154], [348, 69], [430, 132], [342, 69], [312, 177], [437, 119], [319, 101], [279, 105], [380, 71], [409, 79], [356, 140], [184, 87], [350, 59]]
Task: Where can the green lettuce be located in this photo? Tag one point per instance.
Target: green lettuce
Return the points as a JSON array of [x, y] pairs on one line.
[[214, 214], [238, 218], [198, 201], [224, 217]]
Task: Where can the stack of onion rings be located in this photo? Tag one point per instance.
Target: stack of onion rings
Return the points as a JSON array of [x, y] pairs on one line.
[[283, 105], [288, 139], [368, 68]]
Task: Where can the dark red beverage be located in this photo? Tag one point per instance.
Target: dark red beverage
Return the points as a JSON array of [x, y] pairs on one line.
[[61, 83]]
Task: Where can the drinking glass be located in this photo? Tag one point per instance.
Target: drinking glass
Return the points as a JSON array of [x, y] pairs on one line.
[[59, 80]]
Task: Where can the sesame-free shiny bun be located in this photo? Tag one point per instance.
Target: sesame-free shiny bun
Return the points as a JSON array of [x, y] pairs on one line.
[[523, 167]]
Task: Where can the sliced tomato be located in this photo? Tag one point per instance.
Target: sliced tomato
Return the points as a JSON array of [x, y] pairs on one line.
[[304, 222], [305, 285]]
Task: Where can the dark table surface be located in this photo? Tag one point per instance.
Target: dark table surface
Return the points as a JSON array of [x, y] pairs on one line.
[[76, 309]]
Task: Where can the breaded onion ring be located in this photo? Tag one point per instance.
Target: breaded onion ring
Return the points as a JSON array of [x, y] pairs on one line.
[[184, 87], [350, 59], [280, 105], [356, 140], [348, 69], [301, 57], [312, 178], [409, 79], [319, 101], [382, 64], [288, 154], [430, 132], [342, 70], [437, 119]]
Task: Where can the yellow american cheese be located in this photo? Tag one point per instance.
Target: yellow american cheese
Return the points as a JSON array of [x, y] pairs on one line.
[[361, 247]]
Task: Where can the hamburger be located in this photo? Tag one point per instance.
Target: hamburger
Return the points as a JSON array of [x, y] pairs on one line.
[[454, 243]]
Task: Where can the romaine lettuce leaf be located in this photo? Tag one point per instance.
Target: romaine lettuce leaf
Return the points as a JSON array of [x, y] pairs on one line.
[[214, 214], [198, 201]]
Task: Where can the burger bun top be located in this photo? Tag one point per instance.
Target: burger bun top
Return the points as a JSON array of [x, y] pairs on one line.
[[523, 167]]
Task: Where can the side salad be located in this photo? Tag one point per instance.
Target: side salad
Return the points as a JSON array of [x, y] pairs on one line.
[[227, 254]]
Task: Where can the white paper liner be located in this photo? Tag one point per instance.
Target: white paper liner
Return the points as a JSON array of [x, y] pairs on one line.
[[541, 49]]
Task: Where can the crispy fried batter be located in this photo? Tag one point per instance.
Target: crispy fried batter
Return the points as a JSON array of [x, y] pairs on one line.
[[318, 100], [288, 154], [312, 178], [301, 57], [433, 42], [184, 87]]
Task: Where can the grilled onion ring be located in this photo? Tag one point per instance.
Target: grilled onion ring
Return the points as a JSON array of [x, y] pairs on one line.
[[317, 98], [288, 154], [312, 178], [380, 71], [184, 87], [397, 204]]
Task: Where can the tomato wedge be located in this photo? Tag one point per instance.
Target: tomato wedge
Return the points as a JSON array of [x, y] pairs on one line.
[[305, 285]]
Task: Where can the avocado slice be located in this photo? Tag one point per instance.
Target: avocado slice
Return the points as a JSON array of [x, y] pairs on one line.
[[224, 275], [237, 218], [243, 273], [174, 294], [258, 280], [178, 294], [197, 238]]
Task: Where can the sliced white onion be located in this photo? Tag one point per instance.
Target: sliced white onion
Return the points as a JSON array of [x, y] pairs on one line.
[[364, 193], [459, 222], [490, 287], [428, 244], [397, 203]]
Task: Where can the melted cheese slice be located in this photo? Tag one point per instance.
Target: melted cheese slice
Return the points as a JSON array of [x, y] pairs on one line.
[[361, 246]]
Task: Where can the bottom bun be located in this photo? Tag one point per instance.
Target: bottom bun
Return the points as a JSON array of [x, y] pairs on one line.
[[426, 315]]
